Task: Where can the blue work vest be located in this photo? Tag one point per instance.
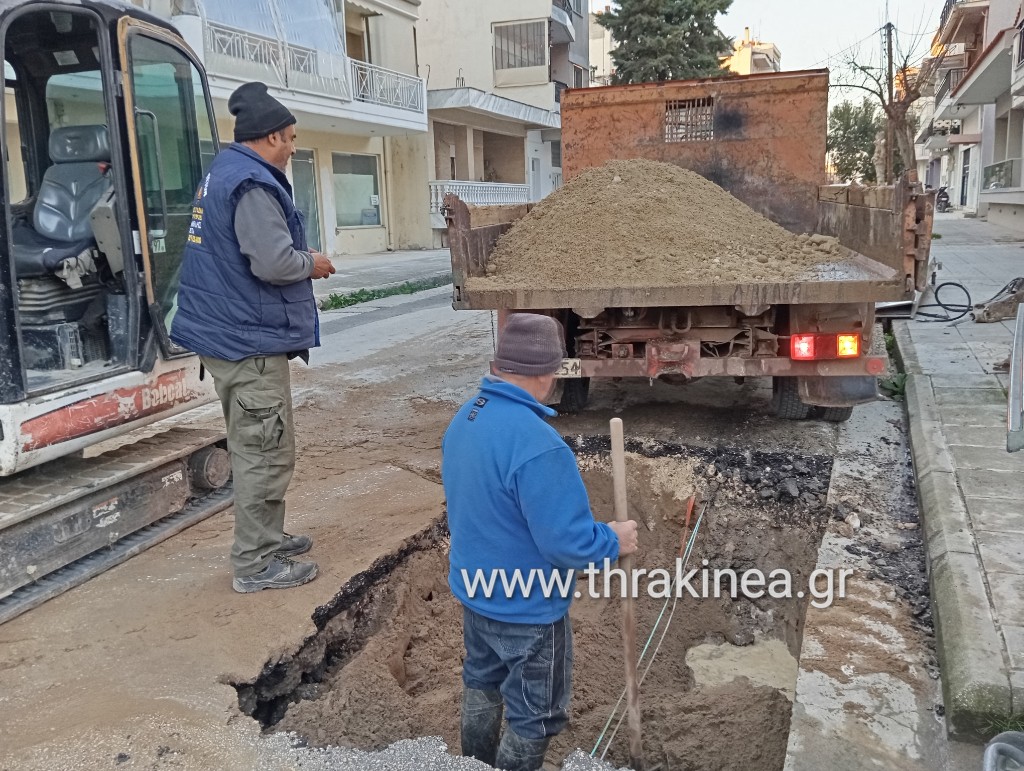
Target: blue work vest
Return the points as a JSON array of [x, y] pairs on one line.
[[224, 310]]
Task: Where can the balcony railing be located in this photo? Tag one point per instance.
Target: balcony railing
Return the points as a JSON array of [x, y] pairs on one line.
[[274, 61], [947, 9], [1015, 403], [377, 85], [949, 82], [477, 193]]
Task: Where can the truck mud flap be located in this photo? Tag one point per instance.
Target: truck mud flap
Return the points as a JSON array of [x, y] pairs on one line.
[[843, 391]]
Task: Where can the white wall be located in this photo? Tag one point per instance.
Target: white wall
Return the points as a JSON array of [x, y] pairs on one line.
[[456, 35]]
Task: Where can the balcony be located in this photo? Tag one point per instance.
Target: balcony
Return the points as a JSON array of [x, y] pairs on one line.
[[960, 17], [302, 58], [377, 85], [949, 82], [477, 193], [250, 56], [1002, 175]]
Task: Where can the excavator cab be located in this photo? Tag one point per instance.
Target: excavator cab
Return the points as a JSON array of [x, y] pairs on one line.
[[108, 129]]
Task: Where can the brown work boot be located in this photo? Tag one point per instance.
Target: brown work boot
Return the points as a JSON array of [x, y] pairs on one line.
[[281, 573]]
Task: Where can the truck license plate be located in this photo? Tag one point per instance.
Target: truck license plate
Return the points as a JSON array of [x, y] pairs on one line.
[[570, 368]]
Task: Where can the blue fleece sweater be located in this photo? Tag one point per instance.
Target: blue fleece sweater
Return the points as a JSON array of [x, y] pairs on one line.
[[516, 501]]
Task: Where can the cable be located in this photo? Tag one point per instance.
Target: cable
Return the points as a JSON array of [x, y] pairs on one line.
[[843, 51], [947, 308], [686, 556]]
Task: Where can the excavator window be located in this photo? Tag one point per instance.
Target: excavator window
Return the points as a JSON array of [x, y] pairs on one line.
[[72, 305], [96, 202], [175, 135]]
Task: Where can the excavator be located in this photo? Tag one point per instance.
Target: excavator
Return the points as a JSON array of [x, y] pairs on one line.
[[108, 129]]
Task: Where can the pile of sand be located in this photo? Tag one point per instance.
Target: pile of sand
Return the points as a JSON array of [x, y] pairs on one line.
[[644, 223]]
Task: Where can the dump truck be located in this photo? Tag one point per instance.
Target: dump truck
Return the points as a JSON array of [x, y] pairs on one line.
[[109, 128], [762, 139]]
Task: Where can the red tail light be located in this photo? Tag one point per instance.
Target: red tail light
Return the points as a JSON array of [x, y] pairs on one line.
[[802, 348], [820, 347]]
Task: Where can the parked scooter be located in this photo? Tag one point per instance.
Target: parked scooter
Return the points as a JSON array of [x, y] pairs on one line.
[[942, 200]]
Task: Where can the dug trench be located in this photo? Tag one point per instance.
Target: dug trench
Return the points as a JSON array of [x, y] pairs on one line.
[[385, 664]]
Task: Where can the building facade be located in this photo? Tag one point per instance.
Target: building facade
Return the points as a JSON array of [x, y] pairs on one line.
[[753, 57], [495, 75], [348, 71], [602, 68], [970, 124]]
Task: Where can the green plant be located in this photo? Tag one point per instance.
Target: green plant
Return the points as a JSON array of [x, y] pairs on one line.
[[337, 301], [936, 236], [997, 724], [895, 387], [890, 343]]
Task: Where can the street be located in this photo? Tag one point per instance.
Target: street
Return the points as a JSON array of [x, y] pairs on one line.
[[139, 667]]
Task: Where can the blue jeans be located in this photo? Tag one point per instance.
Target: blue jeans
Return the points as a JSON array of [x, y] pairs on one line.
[[531, 664]]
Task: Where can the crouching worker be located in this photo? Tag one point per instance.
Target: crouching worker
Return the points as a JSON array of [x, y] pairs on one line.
[[517, 504]]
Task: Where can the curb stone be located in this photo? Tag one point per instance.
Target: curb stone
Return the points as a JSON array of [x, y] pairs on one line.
[[975, 679]]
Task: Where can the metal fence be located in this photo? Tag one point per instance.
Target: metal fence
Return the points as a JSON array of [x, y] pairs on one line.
[[377, 85], [1015, 403]]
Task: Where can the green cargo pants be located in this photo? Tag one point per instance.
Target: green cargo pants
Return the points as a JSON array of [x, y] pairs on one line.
[[256, 397]]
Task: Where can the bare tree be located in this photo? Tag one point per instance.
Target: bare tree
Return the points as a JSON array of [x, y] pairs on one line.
[[912, 73]]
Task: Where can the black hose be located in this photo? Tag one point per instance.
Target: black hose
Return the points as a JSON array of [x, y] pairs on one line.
[[960, 310]]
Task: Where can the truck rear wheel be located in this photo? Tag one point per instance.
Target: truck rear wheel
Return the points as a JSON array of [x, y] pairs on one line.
[[575, 395], [786, 400], [832, 414]]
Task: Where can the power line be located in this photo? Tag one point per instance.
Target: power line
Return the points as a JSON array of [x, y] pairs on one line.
[[830, 57]]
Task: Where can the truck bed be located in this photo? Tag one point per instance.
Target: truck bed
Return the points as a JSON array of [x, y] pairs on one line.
[[854, 279]]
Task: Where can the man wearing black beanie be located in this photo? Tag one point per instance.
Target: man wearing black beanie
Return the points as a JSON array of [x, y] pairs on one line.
[[245, 305]]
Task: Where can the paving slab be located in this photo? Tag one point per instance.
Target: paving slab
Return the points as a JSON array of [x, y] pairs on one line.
[[988, 458], [1006, 590], [1003, 514], [1001, 552], [989, 483], [974, 436]]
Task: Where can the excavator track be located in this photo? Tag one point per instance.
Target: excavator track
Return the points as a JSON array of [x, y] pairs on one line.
[[64, 522]]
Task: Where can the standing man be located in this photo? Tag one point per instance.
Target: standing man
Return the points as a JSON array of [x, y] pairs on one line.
[[246, 306], [517, 504]]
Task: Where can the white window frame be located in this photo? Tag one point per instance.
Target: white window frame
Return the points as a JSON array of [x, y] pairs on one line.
[[380, 195], [534, 33]]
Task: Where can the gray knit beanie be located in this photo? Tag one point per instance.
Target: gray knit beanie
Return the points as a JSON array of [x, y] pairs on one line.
[[529, 344]]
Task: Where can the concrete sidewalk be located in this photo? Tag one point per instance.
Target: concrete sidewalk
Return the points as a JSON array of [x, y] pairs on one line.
[[383, 269], [971, 490]]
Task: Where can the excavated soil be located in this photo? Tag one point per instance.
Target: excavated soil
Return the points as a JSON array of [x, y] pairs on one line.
[[387, 663], [644, 223]]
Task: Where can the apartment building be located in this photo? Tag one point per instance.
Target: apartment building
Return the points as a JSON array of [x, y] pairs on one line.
[[495, 75], [348, 71], [971, 122], [753, 57], [602, 68]]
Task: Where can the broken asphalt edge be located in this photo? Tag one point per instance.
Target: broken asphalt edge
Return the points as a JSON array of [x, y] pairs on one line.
[[972, 659]]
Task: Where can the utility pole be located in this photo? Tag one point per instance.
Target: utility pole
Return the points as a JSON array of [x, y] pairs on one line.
[[888, 120]]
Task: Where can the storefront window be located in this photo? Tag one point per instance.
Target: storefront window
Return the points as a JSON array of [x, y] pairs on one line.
[[356, 190]]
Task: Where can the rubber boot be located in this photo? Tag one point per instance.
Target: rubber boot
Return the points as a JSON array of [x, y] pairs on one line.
[[481, 724], [518, 754]]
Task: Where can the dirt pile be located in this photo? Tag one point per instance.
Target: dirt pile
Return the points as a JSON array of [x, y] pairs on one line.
[[645, 223]]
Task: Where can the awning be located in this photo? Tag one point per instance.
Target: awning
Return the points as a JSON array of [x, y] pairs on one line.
[[990, 76], [477, 101], [562, 30]]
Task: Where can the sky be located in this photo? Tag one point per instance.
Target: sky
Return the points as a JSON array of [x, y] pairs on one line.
[[817, 33]]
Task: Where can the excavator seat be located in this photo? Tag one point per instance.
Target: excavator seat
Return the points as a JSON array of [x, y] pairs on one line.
[[71, 187]]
